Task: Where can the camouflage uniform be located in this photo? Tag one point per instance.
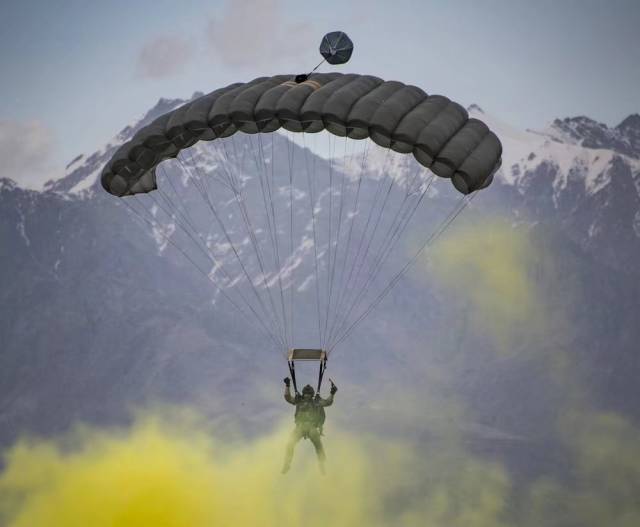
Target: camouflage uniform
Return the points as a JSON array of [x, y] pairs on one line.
[[309, 419]]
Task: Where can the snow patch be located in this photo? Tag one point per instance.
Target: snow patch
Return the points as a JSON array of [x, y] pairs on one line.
[[86, 182], [74, 161], [636, 224], [22, 228], [162, 234], [305, 284], [6, 183]]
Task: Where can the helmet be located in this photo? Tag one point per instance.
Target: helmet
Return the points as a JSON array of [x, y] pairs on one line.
[[308, 389]]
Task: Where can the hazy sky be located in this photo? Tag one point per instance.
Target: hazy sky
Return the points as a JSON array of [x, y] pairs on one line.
[[75, 72]]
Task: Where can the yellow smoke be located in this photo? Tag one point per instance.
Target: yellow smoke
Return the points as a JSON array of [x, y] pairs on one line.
[[157, 474], [489, 266], [603, 451], [508, 286], [169, 469]]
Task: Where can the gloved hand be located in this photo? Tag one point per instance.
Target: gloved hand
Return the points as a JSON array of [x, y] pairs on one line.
[[334, 389], [287, 382]]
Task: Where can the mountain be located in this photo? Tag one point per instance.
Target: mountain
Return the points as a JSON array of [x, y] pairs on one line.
[[583, 177], [82, 172], [97, 313]]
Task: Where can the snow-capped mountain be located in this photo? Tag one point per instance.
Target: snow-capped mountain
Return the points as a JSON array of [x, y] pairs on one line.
[[577, 171], [94, 319], [581, 175], [82, 172], [623, 139]]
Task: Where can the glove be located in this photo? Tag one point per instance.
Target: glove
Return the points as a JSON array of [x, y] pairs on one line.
[[287, 382], [334, 389]]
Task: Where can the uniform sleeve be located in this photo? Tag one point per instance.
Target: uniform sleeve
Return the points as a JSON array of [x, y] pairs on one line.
[[288, 397]]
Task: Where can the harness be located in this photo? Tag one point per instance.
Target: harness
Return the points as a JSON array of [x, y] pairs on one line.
[[309, 413]]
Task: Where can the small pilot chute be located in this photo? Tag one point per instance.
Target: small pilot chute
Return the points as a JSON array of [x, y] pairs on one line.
[[336, 47]]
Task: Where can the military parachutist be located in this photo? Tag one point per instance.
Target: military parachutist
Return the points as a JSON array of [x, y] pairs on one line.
[[431, 130], [309, 419]]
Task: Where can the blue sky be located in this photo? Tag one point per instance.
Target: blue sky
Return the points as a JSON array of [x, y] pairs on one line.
[[74, 72]]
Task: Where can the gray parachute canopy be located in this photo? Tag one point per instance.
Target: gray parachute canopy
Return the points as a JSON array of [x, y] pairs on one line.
[[437, 131], [336, 47]]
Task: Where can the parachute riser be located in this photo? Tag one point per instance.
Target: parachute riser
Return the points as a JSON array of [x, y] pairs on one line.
[[307, 355]]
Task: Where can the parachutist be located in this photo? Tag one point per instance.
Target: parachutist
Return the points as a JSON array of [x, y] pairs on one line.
[[309, 419]]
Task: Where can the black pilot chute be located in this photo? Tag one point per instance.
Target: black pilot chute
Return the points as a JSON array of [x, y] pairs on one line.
[[336, 47]]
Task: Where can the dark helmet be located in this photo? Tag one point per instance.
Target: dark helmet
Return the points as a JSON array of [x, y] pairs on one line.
[[308, 389]]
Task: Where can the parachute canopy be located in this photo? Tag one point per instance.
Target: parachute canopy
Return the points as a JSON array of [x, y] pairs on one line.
[[435, 130], [281, 232], [336, 47]]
